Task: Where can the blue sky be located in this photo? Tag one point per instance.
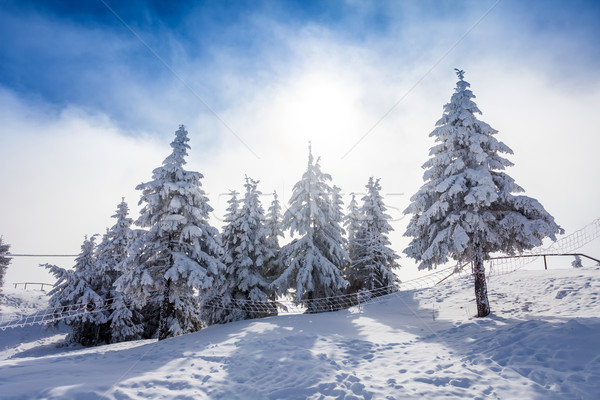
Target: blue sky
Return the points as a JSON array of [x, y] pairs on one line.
[[89, 109], [78, 52]]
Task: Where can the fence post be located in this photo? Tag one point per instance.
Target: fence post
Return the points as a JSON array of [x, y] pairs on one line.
[[545, 264]]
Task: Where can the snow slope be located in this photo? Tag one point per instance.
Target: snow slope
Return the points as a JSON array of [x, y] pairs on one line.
[[542, 341]]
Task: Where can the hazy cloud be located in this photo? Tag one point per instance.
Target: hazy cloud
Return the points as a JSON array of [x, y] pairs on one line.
[[88, 111]]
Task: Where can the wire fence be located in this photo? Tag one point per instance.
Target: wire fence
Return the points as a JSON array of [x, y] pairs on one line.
[[41, 284], [49, 316], [281, 306], [567, 244], [497, 266]]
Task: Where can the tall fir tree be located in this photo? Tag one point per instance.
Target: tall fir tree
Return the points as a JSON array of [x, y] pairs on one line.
[[4, 260], [180, 252], [466, 209], [312, 264], [273, 222], [337, 206], [351, 225], [372, 259], [112, 250], [228, 235], [247, 257], [81, 287], [124, 323], [353, 218], [221, 310]]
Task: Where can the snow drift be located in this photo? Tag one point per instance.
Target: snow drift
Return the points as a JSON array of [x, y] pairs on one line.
[[540, 342]]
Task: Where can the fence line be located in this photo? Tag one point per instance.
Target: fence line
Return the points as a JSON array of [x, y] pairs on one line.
[[42, 255], [32, 283], [567, 244], [498, 266], [51, 315]]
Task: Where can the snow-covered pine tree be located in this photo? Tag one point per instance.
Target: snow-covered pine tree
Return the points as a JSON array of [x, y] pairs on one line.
[[337, 215], [311, 265], [351, 225], [87, 328], [273, 222], [112, 250], [337, 205], [80, 287], [61, 295], [222, 296], [352, 220], [372, 259], [127, 320], [4, 260], [178, 254], [215, 310], [247, 257], [228, 234], [466, 209], [123, 323]]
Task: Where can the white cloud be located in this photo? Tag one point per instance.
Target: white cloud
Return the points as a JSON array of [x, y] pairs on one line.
[[64, 173], [63, 177]]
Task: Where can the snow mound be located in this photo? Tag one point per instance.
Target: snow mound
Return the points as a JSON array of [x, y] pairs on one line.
[[16, 302], [29, 340], [413, 345]]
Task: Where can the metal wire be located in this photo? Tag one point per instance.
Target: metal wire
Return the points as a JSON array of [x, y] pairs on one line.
[[567, 244], [498, 266], [51, 315]]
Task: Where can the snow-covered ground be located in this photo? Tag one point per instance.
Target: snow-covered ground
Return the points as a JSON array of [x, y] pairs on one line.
[[542, 341]]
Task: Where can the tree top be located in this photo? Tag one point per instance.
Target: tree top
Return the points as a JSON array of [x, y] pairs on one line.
[[460, 73]]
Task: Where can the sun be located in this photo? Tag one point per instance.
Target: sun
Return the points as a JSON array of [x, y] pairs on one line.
[[321, 107]]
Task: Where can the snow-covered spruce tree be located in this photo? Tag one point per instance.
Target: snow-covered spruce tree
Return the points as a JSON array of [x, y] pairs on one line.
[[466, 209], [4, 260], [81, 287], [311, 264], [61, 295], [127, 320], [178, 254], [247, 257], [112, 250], [372, 259], [228, 234], [352, 220], [337, 204], [351, 224], [220, 294], [123, 323], [224, 312], [273, 221]]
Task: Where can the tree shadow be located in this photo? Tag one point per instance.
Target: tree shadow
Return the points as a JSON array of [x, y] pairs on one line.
[[549, 355], [289, 357], [559, 356]]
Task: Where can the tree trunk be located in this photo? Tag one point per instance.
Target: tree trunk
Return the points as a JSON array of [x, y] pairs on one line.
[[481, 298], [165, 312]]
